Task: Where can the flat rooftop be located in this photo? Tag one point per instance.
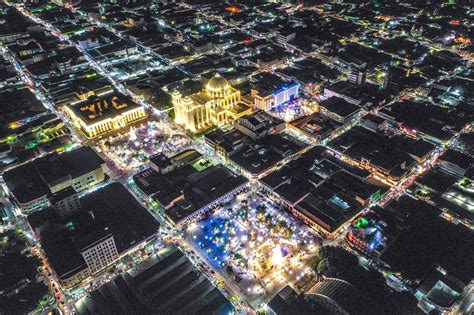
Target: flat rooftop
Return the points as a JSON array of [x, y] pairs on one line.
[[30, 181], [429, 241], [316, 125], [339, 106], [188, 188], [18, 104], [263, 154], [335, 201], [167, 283], [96, 109], [432, 120], [328, 198], [396, 154], [111, 210]]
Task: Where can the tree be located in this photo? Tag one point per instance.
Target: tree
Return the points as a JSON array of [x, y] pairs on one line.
[[191, 86], [376, 297], [282, 224], [325, 268], [161, 100], [314, 261]]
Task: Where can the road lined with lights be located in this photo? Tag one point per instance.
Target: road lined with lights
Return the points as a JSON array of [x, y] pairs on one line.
[[66, 306], [199, 259], [124, 179], [95, 65]]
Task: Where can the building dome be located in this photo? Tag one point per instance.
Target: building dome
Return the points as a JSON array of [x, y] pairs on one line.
[[217, 84]]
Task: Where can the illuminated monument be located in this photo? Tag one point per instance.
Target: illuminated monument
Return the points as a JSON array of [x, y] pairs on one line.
[[218, 104]]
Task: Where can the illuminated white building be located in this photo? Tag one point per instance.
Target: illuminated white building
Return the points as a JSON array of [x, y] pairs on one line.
[[98, 115], [217, 105], [100, 254]]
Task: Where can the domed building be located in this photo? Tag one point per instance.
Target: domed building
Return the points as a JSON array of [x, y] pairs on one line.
[[218, 104]]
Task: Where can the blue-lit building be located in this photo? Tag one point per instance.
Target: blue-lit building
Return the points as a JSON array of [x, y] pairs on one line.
[[269, 91], [286, 93], [367, 236]]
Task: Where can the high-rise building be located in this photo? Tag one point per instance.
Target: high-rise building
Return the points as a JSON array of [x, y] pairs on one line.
[[65, 202], [100, 253], [357, 76], [218, 104]]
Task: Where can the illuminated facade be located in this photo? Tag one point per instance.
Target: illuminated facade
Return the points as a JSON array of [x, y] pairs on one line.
[[32, 184], [100, 254], [283, 94], [100, 115], [217, 105]]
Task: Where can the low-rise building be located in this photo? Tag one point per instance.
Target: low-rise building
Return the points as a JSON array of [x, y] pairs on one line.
[[316, 127], [101, 114], [339, 109], [439, 291], [190, 190], [373, 232], [269, 91], [259, 124], [163, 164], [390, 158], [110, 224], [255, 152], [32, 183], [322, 194]]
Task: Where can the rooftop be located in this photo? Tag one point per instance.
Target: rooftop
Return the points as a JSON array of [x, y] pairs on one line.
[[188, 188], [97, 108], [394, 153], [32, 180], [330, 198], [166, 283], [432, 120], [263, 154], [111, 210], [339, 106], [18, 104]]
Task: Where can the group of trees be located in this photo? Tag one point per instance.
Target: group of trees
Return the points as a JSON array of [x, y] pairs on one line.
[[17, 267], [375, 296]]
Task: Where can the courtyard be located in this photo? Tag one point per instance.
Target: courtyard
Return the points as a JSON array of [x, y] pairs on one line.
[[131, 149], [254, 244]]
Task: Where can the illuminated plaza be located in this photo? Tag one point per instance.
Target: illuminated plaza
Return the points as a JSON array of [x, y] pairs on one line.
[[132, 149], [253, 157], [254, 244]]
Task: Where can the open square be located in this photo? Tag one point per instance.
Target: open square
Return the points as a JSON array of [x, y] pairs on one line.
[[254, 245]]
